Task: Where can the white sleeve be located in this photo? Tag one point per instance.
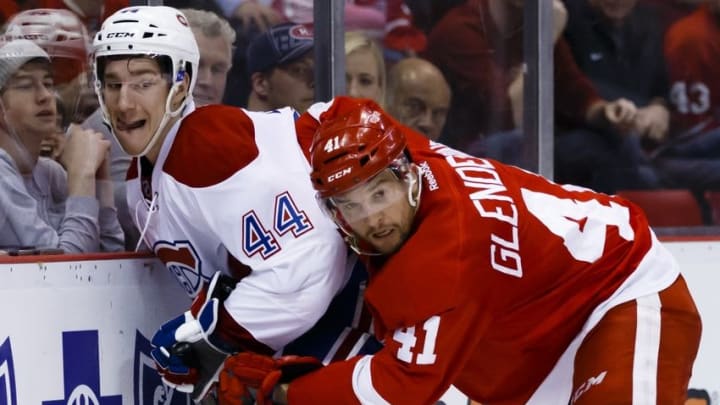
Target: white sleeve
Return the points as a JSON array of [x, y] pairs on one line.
[[318, 108]]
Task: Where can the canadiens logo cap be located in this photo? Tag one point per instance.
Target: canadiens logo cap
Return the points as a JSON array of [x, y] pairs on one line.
[[279, 45], [14, 54]]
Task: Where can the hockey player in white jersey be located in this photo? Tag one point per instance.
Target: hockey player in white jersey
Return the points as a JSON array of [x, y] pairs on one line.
[[223, 197]]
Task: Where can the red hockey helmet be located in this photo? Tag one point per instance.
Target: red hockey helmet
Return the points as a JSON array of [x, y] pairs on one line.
[[353, 147], [60, 33]]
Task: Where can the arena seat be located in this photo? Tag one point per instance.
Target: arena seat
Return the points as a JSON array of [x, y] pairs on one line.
[[713, 200], [667, 207]]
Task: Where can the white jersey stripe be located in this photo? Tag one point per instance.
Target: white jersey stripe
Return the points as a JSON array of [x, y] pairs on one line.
[[647, 347], [336, 346], [358, 345], [359, 306], [362, 383]]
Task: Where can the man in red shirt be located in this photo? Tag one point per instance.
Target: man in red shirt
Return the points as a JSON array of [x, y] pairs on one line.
[[690, 159], [508, 286]]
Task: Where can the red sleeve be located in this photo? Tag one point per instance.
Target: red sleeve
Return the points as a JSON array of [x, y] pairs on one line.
[[305, 128], [574, 93], [329, 385], [427, 356], [212, 144]]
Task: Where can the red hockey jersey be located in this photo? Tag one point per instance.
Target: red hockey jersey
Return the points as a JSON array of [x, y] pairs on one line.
[[502, 272]]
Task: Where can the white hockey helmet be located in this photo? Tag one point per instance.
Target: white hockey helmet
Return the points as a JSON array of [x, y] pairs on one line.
[[155, 31]]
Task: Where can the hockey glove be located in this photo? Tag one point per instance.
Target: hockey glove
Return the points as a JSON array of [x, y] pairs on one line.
[[246, 372], [186, 354]]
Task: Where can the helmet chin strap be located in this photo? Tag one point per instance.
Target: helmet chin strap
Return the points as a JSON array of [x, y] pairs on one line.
[[167, 115]]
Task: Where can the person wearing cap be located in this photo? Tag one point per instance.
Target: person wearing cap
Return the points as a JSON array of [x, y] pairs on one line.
[[42, 205], [281, 68]]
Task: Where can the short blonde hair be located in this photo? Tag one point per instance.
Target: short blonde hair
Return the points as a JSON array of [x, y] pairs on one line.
[[210, 24], [357, 40]]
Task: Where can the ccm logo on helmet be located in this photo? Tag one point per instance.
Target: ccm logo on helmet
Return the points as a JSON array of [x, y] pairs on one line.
[[337, 175], [33, 37], [120, 35]]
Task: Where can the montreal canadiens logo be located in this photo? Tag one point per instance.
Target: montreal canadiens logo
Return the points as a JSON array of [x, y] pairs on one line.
[[182, 20], [183, 262], [301, 32]]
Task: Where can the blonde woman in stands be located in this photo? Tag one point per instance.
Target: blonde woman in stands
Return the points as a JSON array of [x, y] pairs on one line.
[[365, 75]]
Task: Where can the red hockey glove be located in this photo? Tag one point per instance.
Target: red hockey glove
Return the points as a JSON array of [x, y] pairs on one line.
[[245, 371]]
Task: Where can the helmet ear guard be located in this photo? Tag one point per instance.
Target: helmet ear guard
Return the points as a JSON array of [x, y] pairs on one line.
[[180, 74]]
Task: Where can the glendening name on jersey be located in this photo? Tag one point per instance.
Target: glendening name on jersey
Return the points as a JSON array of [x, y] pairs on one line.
[[489, 196]]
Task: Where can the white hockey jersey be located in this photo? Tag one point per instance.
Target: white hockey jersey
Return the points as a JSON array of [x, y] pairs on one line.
[[231, 191]]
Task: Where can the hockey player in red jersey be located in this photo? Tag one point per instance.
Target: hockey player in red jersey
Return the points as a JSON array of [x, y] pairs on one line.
[[488, 277], [222, 190]]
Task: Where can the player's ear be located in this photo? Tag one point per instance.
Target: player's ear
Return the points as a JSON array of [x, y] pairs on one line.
[[181, 92]]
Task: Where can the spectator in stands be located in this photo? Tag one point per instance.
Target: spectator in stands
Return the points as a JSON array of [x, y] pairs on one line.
[[479, 47], [418, 96], [64, 37], [41, 204], [364, 67], [692, 47], [282, 68], [215, 38], [618, 46], [53, 144]]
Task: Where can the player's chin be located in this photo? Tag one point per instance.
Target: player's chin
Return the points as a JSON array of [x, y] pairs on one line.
[[387, 244]]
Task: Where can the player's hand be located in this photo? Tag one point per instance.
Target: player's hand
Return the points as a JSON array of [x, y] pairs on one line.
[[186, 353], [264, 374]]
